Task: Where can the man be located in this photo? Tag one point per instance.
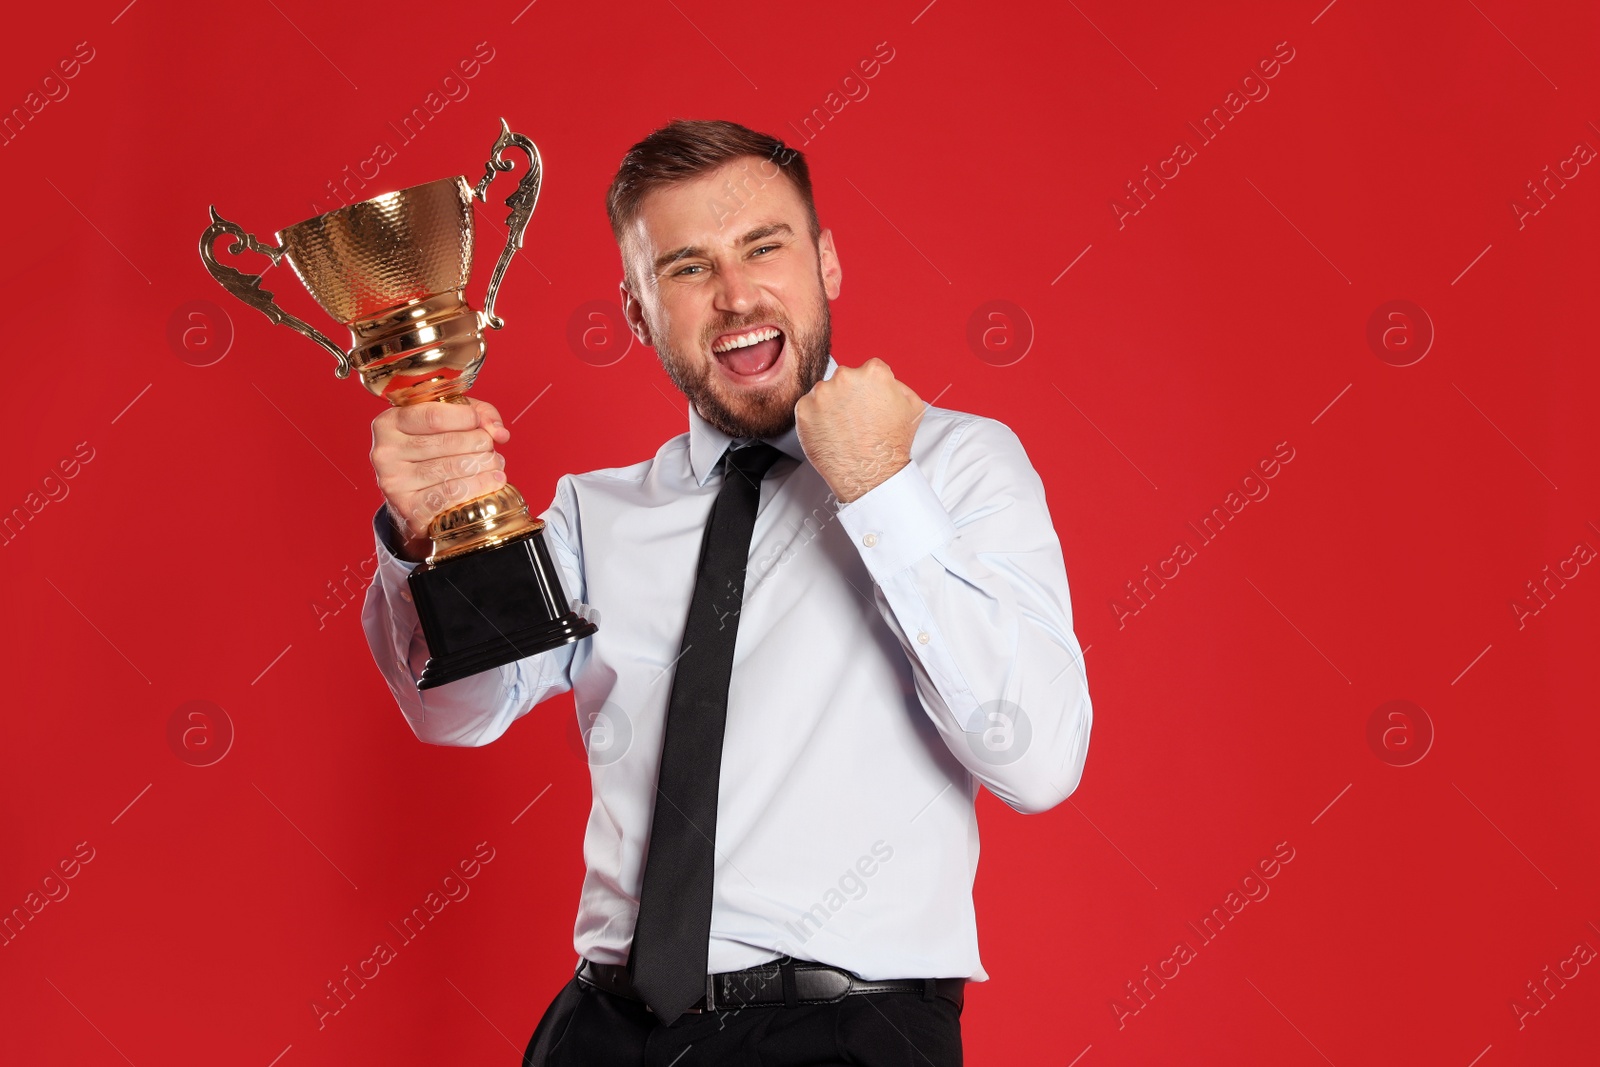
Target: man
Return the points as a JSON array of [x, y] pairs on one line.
[[878, 623]]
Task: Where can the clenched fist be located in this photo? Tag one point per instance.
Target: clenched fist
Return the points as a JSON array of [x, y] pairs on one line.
[[856, 427], [432, 455]]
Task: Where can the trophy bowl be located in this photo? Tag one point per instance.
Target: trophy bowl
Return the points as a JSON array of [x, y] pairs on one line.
[[393, 269]]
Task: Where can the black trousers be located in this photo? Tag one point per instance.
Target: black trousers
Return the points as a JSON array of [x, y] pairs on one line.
[[589, 1027]]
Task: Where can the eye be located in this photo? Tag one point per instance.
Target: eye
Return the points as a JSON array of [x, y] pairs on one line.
[[764, 248], [685, 270]]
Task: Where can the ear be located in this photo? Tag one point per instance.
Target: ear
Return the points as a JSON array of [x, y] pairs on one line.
[[634, 313], [828, 264]]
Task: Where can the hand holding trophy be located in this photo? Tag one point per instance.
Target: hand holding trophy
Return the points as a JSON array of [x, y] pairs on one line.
[[393, 269]]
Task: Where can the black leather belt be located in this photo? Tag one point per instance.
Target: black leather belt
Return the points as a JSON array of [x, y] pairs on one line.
[[783, 981]]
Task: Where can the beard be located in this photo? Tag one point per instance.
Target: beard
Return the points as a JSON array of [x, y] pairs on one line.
[[769, 410]]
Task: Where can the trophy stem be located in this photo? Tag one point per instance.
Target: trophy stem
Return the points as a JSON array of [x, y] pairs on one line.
[[428, 349], [486, 521]]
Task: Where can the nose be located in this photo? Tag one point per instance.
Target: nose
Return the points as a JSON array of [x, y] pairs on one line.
[[736, 291]]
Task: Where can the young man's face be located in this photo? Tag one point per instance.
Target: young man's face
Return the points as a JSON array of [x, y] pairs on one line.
[[725, 282]]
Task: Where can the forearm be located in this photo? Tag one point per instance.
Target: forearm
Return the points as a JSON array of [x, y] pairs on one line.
[[970, 576], [1000, 674], [469, 712]]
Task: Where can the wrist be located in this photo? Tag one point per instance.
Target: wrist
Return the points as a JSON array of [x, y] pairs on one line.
[[401, 546], [866, 481]]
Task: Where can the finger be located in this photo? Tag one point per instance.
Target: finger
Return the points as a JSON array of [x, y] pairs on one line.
[[434, 473], [435, 417], [417, 447], [408, 479], [490, 419], [457, 490]]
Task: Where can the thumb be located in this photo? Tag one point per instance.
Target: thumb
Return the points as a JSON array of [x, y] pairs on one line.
[[489, 418]]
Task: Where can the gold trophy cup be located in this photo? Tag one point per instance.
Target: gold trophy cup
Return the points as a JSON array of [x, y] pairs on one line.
[[393, 269]]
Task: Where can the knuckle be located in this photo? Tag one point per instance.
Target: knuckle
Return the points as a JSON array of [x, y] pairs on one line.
[[436, 417]]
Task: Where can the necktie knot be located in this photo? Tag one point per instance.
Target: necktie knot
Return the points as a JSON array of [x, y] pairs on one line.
[[752, 461]]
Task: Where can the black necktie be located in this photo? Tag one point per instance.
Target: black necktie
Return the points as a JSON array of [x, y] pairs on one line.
[[672, 937]]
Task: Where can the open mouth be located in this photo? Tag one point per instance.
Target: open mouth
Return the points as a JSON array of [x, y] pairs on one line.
[[749, 353]]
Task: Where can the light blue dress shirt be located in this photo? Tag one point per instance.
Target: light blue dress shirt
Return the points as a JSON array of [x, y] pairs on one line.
[[893, 654]]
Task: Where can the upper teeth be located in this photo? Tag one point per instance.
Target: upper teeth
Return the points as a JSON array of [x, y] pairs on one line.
[[745, 340]]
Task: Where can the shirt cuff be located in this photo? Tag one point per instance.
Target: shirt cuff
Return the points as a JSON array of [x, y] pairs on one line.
[[898, 522], [391, 567]]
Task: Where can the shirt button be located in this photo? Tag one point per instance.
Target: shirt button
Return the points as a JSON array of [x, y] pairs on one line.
[[922, 637], [870, 539]]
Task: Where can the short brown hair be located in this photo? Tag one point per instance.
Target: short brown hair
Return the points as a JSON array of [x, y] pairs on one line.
[[687, 148]]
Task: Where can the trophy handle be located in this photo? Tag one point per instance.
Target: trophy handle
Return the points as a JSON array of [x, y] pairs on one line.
[[520, 202], [247, 287]]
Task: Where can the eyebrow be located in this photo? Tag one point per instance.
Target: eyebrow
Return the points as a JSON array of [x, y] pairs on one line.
[[667, 259]]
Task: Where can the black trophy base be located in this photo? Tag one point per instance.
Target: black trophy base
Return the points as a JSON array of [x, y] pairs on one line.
[[492, 607]]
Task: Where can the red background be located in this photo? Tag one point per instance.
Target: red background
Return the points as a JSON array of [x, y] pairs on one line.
[[1228, 315]]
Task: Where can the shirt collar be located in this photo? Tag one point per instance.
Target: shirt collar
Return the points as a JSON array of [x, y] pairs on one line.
[[707, 443]]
